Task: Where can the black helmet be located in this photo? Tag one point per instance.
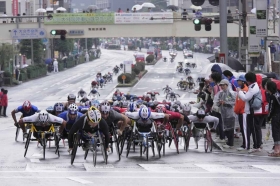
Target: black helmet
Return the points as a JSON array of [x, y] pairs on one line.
[[71, 97], [201, 95]]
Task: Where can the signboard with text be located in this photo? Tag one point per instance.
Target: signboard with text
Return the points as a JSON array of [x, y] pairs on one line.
[[15, 7], [127, 66], [28, 33], [81, 18], [261, 14], [143, 18], [254, 41]]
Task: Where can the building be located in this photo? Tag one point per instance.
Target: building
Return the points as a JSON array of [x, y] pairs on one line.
[[102, 4]]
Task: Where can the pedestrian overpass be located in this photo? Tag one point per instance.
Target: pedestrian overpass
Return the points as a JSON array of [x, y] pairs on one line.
[[108, 25]]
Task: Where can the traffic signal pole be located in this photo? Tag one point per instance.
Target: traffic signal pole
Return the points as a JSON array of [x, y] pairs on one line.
[[223, 29]]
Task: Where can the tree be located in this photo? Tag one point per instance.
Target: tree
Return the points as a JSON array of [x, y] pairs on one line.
[[6, 54], [38, 49], [89, 43], [64, 46], [233, 43]]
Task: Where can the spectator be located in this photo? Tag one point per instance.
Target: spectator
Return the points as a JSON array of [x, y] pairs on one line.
[[228, 74], [134, 10], [184, 14], [120, 10], [198, 14], [4, 102], [17, 73], [1, 95], [86, 57], [149, 10], [226, 101], [156, 54], [254, 121], [264, 81], [55, 65], [239, 110], [272, 50], [127, 10], [5, 15], [64, 59], [274, 116]]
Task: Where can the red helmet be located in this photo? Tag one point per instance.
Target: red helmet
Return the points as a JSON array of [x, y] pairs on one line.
[[26, 106], [161, 108]]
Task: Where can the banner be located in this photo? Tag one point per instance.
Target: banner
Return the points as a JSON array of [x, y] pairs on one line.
[[143, 18], [81, 18], [15, 7], [254, 41], [261, 14]]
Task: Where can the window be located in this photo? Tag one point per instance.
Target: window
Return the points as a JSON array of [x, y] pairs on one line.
[[2, 6]]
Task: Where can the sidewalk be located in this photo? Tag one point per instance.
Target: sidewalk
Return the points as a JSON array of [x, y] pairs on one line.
[[266, 147]]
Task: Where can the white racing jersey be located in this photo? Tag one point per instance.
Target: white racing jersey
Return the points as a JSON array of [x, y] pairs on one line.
[[135, 115], [35, 118]]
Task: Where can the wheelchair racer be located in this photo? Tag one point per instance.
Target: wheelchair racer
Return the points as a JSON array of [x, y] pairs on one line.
[[84, 101], [57, 109], [91, 122], [81, 93], [93, 92], [27, 109], [42, 118], [70, 116], [112, 116], [71, 98]]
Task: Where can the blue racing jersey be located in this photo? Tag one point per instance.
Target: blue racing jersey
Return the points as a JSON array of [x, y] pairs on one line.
[[32, 111], [65, 117], [83, 109]]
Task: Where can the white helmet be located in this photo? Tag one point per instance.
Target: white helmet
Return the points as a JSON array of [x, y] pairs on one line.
[[43, 116], [94, 115], [187, 107], [178, 103], [73, 108], [105, 107], [144, 113]]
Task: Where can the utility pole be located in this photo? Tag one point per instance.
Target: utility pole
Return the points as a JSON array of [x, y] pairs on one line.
[[223, 29], [32, 55], [239, 38], [245, 43]]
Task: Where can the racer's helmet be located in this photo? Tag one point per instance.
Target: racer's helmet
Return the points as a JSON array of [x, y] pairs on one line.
[[94, 103], [200, 114], [132, 107], [144, 113], [81, 90], [87, 103], [178, 103], [186, 107], [26, 106], [58, 107], [43, 116], [105, 107], [160, 108], [73, 109], [71, 97], [201, 95], [93, 115]]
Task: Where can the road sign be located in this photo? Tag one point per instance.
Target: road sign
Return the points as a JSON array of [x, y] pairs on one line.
[[45, 41], [123, 77], [28, 33], [222, 57], [76, 32]]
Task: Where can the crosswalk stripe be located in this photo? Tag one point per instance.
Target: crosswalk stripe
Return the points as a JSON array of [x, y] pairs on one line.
[[158, 167], [215, 168], [269, 168]]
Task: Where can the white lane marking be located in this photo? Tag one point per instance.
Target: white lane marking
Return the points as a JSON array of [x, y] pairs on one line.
[[37, 92], [37, 155], [158, 167], [45, 88], [80, 180], [143, 88], [215, 168], [182, 96], [269, 168]]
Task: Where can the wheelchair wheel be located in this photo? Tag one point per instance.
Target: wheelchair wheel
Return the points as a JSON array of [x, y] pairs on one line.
[[27, 142], [44, 143], [94, 154], [102, 147], [56, 140], [158, 143], [129, 143], [187, 136], [17, 133], [174, 139], [116, 141], [208, 143], [86, 153], [75, 147]]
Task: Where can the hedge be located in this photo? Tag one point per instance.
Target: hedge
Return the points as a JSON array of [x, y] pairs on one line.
[[150, 58], [140, 65], [136, 70], [118, 47], [129, 77]]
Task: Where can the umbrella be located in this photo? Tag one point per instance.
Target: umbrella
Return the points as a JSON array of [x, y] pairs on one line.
[[65, 57], [235, 64], [61, 9], [172, 7], [148, 5], [254, 11], [196, 7], [48, 61], [137, 7], [93, 7], [41, 10], [49, 9]]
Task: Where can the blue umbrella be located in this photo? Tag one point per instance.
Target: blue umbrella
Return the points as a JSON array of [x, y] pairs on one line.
[[48, 61]]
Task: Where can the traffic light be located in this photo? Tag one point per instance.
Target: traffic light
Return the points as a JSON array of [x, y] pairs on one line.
[[198, 2], [208, 22], [62, 33], [197, 24], [214, 2]]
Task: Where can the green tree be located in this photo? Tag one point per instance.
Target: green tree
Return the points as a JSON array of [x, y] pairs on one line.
[[89, 43], [64, 46], [38, 49], [6, 54]]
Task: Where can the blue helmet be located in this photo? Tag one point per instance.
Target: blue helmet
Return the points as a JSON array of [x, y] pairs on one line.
[[144, 113], [95, 103], [131, 107], [73, 109]]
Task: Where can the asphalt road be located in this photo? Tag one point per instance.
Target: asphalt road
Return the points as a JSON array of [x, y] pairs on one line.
[[193, 167]]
